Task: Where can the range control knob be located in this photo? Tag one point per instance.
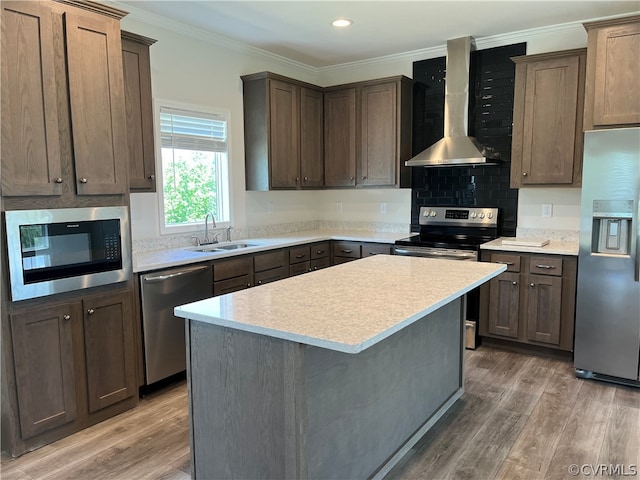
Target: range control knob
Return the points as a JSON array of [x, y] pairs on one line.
[[489, 215], [425, 213], [433, 213], [481, 215], [474, 214]]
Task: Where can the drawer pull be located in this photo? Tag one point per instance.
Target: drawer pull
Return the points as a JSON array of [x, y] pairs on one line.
[[346, 251], [319, 252], [547, 267], [514, 283], [302, 255], [66, 317], [532, 284], [505, 263], [372, 253], [57, 180], [91, 311]]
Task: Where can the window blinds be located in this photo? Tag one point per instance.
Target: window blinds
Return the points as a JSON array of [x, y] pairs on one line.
[[188, 131]]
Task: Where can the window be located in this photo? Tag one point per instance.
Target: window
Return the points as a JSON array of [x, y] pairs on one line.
[[195, 180]]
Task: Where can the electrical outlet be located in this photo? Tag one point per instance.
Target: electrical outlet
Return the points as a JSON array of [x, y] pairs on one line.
[[270, 207], [339, 207], [547, 210], [383, 207]]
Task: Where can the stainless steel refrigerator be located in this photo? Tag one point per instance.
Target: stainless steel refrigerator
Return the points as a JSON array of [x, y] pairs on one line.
[[607, 333]]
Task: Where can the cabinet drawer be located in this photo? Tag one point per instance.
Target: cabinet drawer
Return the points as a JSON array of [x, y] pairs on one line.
[[272, 275], [231, 285], [319, 263], [346, 249], [511, 261], [546, 266], [369, 249], [299, 268], [268, 261], [299, 254], [320, 250], [232, 268]]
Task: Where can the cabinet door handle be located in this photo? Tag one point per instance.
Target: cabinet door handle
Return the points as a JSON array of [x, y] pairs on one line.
[[297, 179], [372, 253], [504, 263], [91, 311], [524, 174], [83, 180], [351, 178], [305, 179], [346, 251], [259, 282], [66, 317], [57, 180], [548, 267], [514, 283], [302, 255], [151, 177], [532, 284], [364, 177], [248, 285], [319, 252]]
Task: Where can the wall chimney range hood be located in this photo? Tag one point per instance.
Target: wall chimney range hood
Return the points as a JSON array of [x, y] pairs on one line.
[[456, 148]]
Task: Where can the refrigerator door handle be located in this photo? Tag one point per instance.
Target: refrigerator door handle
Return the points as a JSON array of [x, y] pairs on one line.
[[637, 269]]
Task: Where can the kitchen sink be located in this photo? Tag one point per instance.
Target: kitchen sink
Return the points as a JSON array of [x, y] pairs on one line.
[[216, 247], [234, 246]]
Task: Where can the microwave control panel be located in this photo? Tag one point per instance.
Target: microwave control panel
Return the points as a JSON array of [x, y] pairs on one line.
[[112, 247]]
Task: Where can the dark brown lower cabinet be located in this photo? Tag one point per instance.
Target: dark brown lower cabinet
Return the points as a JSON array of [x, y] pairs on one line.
[[232, 275], [75, 365], [504, 305], [109, 349], [44, 366], [533, 302]]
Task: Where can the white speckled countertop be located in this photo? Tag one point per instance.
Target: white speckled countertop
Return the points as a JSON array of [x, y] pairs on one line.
[[554, 247], [348, 307], [154, 260]]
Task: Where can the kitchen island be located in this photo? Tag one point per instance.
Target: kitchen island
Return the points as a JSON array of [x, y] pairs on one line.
[[332, 374]]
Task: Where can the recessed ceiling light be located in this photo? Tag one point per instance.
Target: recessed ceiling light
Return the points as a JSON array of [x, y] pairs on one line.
[[342, 22]]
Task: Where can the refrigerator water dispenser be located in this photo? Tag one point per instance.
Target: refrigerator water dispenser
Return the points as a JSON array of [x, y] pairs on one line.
[[612, 226]]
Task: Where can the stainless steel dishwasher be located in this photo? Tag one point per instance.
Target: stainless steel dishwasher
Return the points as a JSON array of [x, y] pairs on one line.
[[164, 345]]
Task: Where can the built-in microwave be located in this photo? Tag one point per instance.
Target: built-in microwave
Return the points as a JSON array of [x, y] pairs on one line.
[[66, 249]]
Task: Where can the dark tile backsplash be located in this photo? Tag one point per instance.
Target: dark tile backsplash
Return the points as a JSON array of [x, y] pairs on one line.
[[490, 121]]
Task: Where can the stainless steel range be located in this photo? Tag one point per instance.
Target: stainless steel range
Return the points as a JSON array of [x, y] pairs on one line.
[[454, 233], [451, 232]]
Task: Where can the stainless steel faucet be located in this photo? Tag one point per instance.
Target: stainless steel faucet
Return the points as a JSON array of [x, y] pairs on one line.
[[206, 240]]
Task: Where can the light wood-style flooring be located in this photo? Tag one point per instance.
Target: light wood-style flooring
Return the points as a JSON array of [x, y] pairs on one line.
[[521, 417]]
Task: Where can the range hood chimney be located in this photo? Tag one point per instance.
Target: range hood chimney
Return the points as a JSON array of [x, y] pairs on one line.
[[456, 148]]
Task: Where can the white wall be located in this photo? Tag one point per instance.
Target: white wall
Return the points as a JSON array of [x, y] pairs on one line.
[[206, 71]]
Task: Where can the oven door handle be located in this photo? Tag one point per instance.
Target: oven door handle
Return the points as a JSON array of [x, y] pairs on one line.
[[432, 253]]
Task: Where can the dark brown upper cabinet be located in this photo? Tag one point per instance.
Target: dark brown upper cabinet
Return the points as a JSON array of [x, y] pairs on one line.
[[300, 136], [282, 133], [612, 88], [547, 119], [138, 102], [62, 100]]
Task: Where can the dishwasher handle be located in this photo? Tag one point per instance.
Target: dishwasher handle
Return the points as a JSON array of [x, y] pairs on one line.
[[162, 278]]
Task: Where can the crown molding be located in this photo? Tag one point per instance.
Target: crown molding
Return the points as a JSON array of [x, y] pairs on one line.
[[481, 43], [143, 16]]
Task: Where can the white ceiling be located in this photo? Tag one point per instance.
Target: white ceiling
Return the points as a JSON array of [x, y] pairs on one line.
[[302, 31]]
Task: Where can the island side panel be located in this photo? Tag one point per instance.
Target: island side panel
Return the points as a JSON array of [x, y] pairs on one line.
[[363, 408], [244, 391]]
